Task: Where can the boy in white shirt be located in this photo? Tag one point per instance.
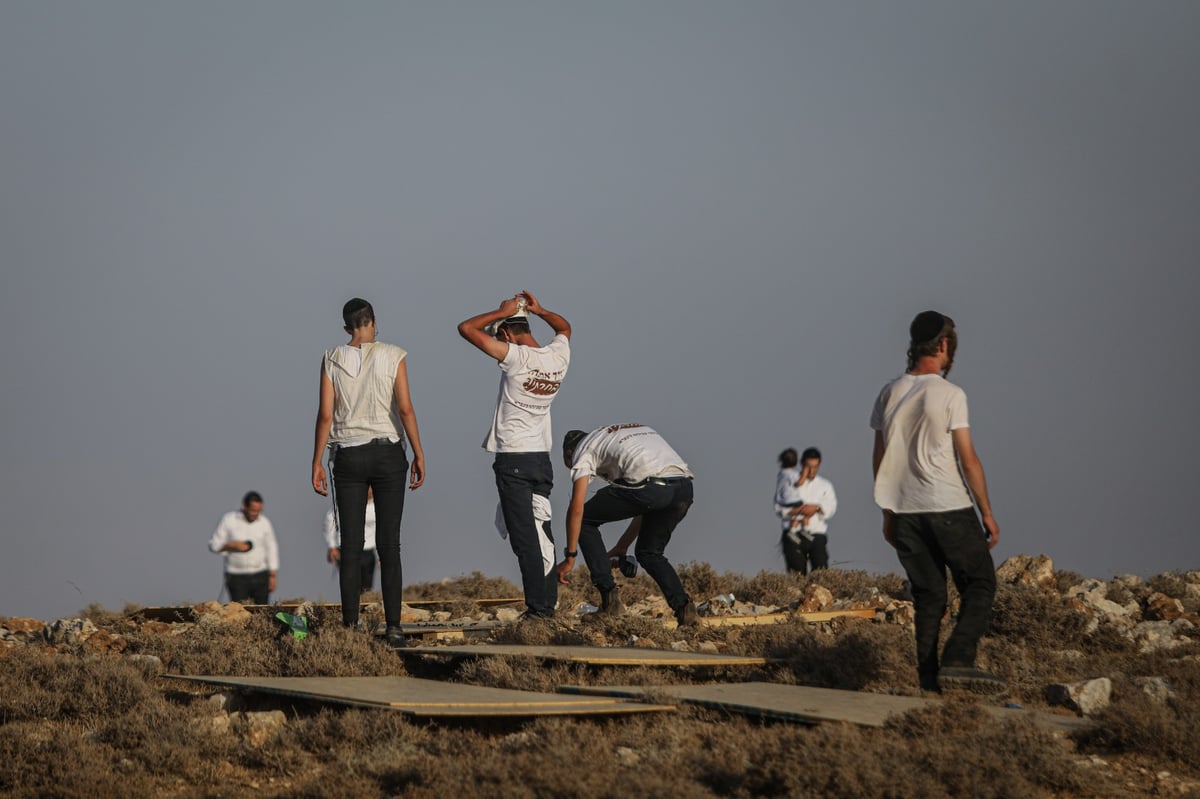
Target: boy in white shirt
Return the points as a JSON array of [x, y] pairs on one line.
[[246, 539]]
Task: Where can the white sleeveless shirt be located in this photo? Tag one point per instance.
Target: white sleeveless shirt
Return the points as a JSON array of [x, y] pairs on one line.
[[364, 393]]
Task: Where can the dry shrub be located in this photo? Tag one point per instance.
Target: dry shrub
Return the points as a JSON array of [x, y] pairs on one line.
[[519, 673], [475, 585], [1065, 580], [34, 686], [1173, 584], [856, 585], [1135, 724], [857, 654], [771, 588], [39, 759], [1026, 616]]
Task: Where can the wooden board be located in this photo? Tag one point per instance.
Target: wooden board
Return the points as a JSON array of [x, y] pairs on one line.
[[430, 698], [803, 703], [776, 618], [592, 655]]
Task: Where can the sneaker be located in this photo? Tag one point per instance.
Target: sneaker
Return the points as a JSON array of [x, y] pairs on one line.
[[970, 678], [611, 604], [394, 637], [687, 615], [529, 615]]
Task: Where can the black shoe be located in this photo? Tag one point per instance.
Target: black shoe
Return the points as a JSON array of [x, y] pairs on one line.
[[969, 678], [611, 604], [687, 615], [395, 637]]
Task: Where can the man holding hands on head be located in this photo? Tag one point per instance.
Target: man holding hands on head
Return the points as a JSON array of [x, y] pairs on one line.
[[520, 435]]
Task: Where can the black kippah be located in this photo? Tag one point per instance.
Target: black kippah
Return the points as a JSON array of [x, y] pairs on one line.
[[926, 327]]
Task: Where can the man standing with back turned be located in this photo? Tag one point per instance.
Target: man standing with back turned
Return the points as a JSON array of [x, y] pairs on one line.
[[921, 439], [520, 433]]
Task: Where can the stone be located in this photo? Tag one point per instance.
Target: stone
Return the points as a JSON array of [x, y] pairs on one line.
[[642, 643], [441, 615], [103, 641], [1035, 572], [259, 727], [1160, 607], [1152, 636], [708, 646], [412, 615], [1128, 580], [231, 613], [18, 624], [627, 757], [1086, 697], [71, 632], [507, 615], [152, 664], [899, 611], [816, 598], [156, 628], [680, 646], [1157, 688]]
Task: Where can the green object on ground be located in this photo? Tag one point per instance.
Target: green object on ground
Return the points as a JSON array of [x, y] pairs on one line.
[[298, 625]]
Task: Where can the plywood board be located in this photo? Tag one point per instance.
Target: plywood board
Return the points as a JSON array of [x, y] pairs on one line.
[[430, 698], [802, 703], [184, 612], [734, 620], [592, 655]]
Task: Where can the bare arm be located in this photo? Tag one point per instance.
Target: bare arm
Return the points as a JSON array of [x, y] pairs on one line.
[[560, 326], [574, 525], [627, 538], [876, 460], [320, 482], [408, 418], [973, 472], [473, 329]]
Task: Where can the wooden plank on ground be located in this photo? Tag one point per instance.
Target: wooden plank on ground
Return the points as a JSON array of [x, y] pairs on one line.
[[592, 655], [430, 698], [803, 703]]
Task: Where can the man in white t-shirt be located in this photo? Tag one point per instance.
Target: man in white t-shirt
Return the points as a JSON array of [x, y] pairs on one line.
[[333, 543], [520, 435], [246, 539], [804, 503], [649, 483], [922, 439]]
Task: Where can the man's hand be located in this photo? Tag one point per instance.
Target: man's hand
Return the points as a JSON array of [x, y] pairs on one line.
[[809, 509], [889, 533], [334, 555], [509, 306], [320, 482], [993, 530], [531, 303], [564, 571], [617, 552], [417, 476], [237, 546], [271, 583]]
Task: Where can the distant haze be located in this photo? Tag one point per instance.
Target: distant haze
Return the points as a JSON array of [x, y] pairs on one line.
[[739, 207]]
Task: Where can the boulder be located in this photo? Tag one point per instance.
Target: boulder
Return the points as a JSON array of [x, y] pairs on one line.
[[215, 613], [900, 612], [1035, 572], [18, 624], [260, 727], [103, 641], [1157, 688], [155, 628], [71, 632], [1086, 697], [410, 615], [1128, 580], [816, 598], [1160, 607], [1152, 636], [507, 615]]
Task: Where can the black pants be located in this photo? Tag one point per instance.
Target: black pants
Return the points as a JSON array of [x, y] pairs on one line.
[[928, 544], [520, 475], [382, 467], [661, 507], [366, 565], [798, 555], [249, 588]]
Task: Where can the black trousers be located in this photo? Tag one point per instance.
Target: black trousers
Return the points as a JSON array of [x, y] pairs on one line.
[[249, 588], [798, 555], [520, 475], [366, 565], [928, 544], [383, 467], [661, 507]]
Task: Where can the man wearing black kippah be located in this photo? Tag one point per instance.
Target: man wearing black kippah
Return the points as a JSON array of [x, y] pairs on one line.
[[921, 440]]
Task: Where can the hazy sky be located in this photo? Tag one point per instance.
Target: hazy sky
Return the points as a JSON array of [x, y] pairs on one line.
[[738, 206]]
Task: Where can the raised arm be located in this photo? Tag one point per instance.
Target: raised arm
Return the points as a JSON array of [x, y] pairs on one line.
[[972, 470], [408, 418], [473, 329], [560, 326]]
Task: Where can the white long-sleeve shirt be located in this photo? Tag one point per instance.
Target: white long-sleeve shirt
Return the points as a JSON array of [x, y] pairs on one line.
[[333, 536], [817, 491], [264, 551]]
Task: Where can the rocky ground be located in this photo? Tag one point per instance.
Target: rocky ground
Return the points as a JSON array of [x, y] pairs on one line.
[[1124, 653]]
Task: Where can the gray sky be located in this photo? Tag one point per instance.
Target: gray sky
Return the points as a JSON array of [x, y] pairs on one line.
[[739, 207]]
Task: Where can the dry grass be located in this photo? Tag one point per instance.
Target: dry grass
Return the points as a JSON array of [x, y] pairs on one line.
[[76, 724]]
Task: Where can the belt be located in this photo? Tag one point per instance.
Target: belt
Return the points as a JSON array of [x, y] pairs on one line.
[[658, 481]]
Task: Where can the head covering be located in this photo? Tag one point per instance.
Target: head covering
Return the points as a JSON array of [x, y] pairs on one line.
[[572, 439], [811, 452], [925, 327], [494, 328]]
